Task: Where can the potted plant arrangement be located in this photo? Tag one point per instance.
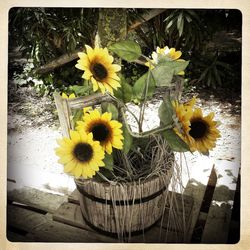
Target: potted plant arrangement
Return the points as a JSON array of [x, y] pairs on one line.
[[122, 174]]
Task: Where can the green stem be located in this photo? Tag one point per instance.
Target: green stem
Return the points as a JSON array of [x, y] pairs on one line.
[[122, 105], [143, 103]]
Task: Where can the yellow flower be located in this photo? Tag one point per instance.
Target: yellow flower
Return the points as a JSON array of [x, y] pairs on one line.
[[71, 96], [80, 154], [183, 113], [108, 132], [98, 67], [203, 132], [198, 131], [170, 53]]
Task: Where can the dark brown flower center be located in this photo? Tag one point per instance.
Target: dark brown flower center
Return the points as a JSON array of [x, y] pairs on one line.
[[83, 152], [100, 132], [99, 71], [199, 129]]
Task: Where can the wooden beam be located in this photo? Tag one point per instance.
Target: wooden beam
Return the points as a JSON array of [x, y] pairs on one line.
[[146, 17], [61, 60]]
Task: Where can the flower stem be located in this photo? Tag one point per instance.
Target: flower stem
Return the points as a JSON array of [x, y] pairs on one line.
[[143, 103]]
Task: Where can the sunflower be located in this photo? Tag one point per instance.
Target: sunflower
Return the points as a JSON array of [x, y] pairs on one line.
[[98, 67], [108, 132], [199, 132], [203, 131], [71, 96], [170, 53], [80, 154]]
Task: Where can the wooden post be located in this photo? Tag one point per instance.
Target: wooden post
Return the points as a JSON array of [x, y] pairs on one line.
[[63, 114], [112, 25]]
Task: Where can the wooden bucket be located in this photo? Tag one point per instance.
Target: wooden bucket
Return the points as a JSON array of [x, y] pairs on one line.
[[124, 208]]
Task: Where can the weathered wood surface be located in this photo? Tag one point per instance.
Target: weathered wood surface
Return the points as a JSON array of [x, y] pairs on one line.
[[219, 215], [33, 215], [63, 114], [213, 202], [36, 199], [41, 228], [197, 190]]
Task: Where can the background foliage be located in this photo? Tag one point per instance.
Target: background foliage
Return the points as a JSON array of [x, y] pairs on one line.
[[209, 39]]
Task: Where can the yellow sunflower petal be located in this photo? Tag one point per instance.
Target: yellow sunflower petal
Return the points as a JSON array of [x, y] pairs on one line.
[[74, 135], [107, 116], [65, 159], [77, 171], [108, 148], [115, 124], [70, 166], [72, 96], [116, 67], [64, 96], [87, 75]]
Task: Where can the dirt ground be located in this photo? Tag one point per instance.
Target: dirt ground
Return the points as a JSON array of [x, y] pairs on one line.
[[33, 127]]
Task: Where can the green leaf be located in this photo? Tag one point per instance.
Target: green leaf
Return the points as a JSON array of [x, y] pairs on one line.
[[127, 50], [165, 111], [174, 141], [177, 66], [111, 108], [77, 116], [125, 92], [109, 162], [128, 140], [162, 75], [165, 70], [139, 86], [80, 90]]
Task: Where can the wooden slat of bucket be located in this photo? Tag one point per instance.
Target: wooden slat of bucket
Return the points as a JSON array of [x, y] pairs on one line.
[[130, 190], [187, 200], [135, 217]]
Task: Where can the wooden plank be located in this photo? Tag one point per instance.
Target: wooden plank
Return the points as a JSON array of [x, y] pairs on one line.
[[35, 198], [17, 237], [41, 228], [63, 114], [196, 188], [88, 101], [70, 213], [54, 231], [219, 216], [157, 235], [73, 197], [24, 219], [204, 208]]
